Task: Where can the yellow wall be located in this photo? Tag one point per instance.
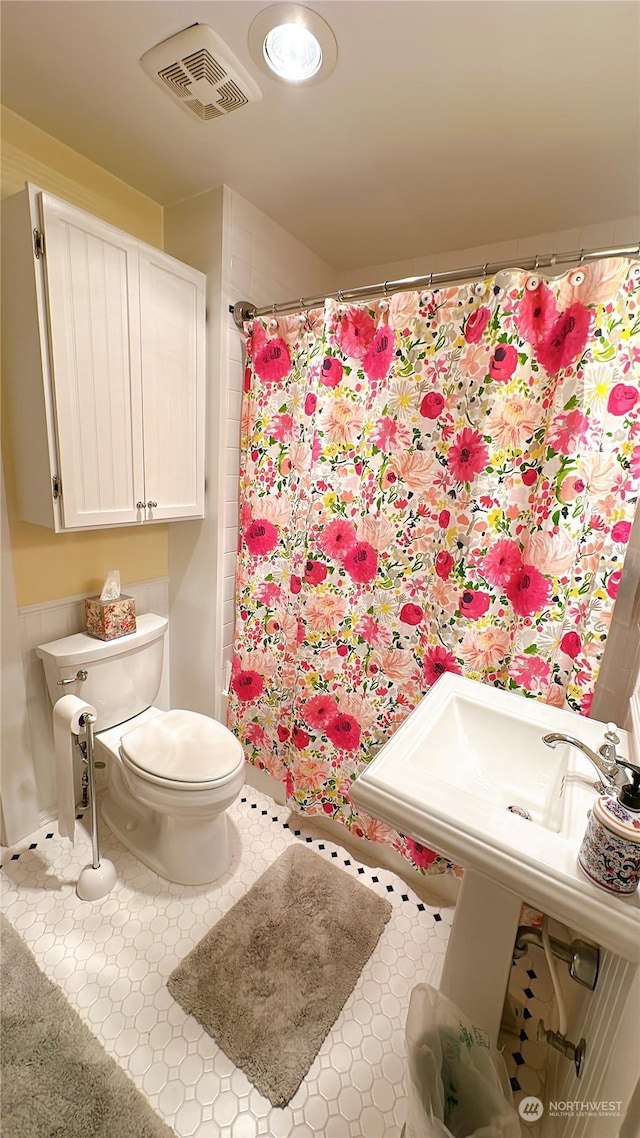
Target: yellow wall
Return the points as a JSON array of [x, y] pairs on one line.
[[47, 565]]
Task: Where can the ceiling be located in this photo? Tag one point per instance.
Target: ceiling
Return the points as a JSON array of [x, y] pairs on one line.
[[444, 125]]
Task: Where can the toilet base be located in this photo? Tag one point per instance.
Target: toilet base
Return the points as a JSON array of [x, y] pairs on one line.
[[183, 850]]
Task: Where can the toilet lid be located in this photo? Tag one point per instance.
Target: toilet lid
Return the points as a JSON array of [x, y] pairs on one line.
[[183, 746]]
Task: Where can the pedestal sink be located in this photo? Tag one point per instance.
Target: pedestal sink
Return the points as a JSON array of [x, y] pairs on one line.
[[468, 775]]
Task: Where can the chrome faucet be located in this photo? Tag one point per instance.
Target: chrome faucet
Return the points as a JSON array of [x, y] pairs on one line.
[[605, 760]]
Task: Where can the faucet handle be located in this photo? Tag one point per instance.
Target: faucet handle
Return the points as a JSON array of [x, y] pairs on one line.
[[607, 750], [611, 734]]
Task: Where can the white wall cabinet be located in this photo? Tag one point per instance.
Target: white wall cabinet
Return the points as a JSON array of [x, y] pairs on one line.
[[104, 364]]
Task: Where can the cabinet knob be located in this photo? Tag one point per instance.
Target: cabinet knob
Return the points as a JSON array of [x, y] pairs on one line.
[[139, 505], [151, 505]]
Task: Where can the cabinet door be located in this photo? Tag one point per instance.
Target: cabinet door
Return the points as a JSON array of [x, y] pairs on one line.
[[94, 324], [172, 325]]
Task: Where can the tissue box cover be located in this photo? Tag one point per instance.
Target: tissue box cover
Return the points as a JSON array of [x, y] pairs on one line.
[[107, 619]]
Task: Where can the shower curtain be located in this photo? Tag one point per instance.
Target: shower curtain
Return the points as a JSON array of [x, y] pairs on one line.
[[434, 482]]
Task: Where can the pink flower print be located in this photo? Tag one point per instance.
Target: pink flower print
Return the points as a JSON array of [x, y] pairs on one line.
[[315, 572], [310, 403], [419, 854], [432, 405], [468, 455], [281, 427], [319, 710], [289, 784], [530, 672], [444, 564], [568, 431], [311, 772], [255, 734], [361, 562], [336, 538], [621, 531], [476, 324], [378, 357], [529, 475], [571, 644], [502, 561], [528, 590], [342, 421], [355, 332], [331, 372], [444, 517], [437, 661], [269, 594], [565, 341], [247, 685], [537, 313], [570, 488], [411, 614], [272, 362], [622, 398], [260, 537], [474, 603], [368, 629], [295, 584], [344, 732], [503, 363], [300, 738], [484, 648], [390, 435]]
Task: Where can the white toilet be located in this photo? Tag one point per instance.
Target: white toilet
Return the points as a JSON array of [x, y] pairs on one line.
[[171, 774]]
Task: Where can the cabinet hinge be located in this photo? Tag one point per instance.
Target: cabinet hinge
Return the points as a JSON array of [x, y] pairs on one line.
[[57, 487], [38, 243]]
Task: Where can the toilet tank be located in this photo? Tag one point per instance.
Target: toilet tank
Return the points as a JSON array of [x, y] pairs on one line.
[[123, 675]]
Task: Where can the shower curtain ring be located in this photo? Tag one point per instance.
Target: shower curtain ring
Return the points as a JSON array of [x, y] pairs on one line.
[[537, 262], [485, 269], [340, 296], [582, 256], [430, 280], [384, 287], [554, 258]]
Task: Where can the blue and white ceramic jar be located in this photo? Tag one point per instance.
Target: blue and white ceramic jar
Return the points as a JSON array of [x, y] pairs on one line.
[[610, 851]]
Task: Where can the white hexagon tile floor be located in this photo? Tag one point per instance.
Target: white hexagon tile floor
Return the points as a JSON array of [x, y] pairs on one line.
[[112, 959]]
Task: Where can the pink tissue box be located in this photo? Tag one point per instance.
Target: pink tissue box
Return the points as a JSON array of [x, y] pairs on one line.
[[107, 619]]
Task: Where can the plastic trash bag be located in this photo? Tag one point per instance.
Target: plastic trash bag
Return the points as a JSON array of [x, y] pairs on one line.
[[457, 1083]]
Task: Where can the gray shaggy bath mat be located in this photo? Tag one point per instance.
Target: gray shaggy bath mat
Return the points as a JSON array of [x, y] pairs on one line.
[[270, 979], [57, 1079]]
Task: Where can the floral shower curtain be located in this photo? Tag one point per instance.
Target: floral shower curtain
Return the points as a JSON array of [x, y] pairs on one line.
[[439, 481]]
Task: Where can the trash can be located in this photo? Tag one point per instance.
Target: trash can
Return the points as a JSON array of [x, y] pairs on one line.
[[457, 1084]]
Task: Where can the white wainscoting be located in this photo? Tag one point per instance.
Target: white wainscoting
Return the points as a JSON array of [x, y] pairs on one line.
[[51, 620]]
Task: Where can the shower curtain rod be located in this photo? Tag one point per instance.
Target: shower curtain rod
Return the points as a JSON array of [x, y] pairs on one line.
[[245, 310]]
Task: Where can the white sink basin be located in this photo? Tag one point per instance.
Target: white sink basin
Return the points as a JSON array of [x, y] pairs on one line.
[[468, 753], [488, 748]]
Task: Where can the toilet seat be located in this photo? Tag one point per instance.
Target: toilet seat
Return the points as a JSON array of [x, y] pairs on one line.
[[182, 750]]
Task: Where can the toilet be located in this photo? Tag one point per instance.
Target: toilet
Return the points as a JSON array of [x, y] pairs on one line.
[[171, 775]]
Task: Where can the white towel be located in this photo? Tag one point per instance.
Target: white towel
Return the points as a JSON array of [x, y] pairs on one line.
[[66, 722]]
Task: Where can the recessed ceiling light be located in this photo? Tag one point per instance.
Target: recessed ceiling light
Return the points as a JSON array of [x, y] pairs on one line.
[[293, 52], [293, 44]]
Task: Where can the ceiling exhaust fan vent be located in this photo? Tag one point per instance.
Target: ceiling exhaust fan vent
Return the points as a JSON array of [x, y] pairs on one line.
[[201, 73]]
